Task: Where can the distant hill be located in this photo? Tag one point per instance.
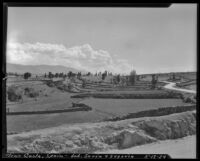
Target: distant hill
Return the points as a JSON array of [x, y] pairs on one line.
[[39, 69]]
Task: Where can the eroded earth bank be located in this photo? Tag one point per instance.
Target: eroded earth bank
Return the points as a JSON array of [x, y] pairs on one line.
[[104, 136]]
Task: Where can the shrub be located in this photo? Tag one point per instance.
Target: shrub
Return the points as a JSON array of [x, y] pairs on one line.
[[33, 94], [30, 92], [26, 90], [61, 88], [14, 94], [70, 86], [50, 83]]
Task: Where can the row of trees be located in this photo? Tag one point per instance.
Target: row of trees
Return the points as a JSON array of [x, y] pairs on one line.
[[132, 78], [70, 74], [105, 73], [79, 74]]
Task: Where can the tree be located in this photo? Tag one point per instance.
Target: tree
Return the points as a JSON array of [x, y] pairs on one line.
[[88, 74], [83, 83], [106, 73], [132, 77], [50, 75], [173, 76], [118, 78], [60, 75], [27, 75], [103, 76], [79, 75], [153, 81], [56, 75], [138, 78], [65, 75], [69, 74]]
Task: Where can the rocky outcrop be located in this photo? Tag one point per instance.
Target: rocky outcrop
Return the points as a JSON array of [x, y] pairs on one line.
[[129, 138], [169, 129]]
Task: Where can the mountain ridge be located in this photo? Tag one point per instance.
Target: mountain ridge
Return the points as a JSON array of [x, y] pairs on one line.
[[39, 69]]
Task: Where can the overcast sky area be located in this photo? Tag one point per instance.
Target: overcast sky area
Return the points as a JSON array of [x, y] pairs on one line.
[[148, 40]]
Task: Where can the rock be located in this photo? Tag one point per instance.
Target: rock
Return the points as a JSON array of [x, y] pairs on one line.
[[69, 143], [131, 138]]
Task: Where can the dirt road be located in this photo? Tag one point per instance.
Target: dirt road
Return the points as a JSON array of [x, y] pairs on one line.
[[172, 86]]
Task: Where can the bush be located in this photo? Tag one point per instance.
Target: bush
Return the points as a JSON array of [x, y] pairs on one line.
[[50, 83], [61, 88], [33, 94], [26, 90], [70, 86], [30, 92], [14, 94], [188, 98], [159, 88]]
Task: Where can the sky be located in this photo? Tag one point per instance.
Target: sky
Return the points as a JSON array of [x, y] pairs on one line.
[[119, 39]]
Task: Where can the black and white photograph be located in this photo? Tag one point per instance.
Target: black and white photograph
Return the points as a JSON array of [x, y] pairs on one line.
[[101, 80]]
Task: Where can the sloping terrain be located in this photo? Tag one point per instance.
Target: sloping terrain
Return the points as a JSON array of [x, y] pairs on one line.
[[92, 137]]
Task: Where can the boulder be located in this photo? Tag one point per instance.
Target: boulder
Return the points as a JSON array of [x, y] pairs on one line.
[[129, 138]]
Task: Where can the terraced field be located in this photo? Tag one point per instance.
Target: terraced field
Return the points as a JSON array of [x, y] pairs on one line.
[[120, 107], [102, 109]]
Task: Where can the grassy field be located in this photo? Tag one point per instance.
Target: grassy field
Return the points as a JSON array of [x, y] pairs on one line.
[[102, 109], [123, 106], [58, 101], [20, 123]]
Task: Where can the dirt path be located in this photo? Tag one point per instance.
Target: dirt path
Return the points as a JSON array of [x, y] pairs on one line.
[[172, 86], [179, 148]]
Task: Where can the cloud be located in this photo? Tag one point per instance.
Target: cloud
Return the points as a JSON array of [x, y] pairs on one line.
[[80, 57]]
